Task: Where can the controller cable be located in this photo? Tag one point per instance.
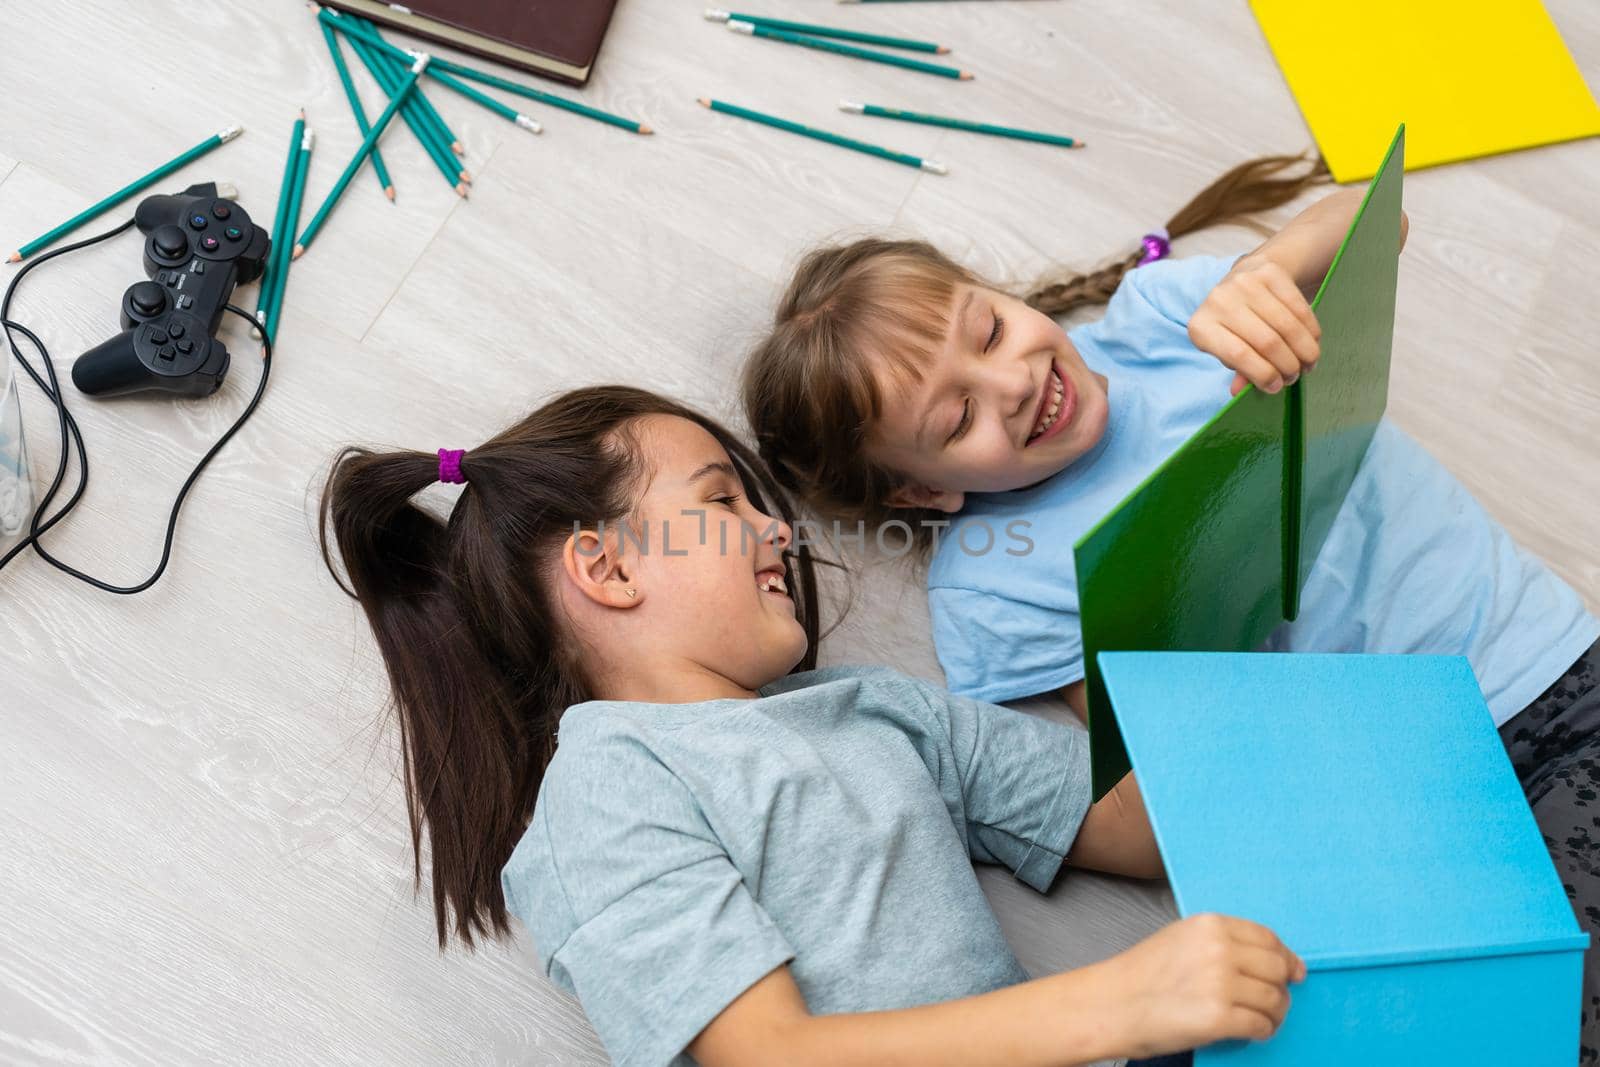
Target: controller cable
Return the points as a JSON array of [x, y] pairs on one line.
[[70, 432]]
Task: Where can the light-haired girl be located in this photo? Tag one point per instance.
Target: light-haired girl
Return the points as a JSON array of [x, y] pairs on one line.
[[611, 729], [895, 384]]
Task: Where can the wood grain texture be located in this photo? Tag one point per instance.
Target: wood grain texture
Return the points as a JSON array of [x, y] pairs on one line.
[[206, 853]]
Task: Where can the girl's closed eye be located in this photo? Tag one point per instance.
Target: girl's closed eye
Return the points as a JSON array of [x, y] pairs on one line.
[[996, 332], [961, 426]]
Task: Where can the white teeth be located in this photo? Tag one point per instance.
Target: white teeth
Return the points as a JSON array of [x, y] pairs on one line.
[[1057, 393], [773, 583]]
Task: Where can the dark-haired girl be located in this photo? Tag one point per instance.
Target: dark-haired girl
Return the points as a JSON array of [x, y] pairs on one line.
[[612, 729]]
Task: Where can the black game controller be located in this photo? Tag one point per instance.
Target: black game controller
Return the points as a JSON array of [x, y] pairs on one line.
[[198, 246]]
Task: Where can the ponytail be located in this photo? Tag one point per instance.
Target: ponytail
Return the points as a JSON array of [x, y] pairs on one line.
[[1253, 186], [478, 667]]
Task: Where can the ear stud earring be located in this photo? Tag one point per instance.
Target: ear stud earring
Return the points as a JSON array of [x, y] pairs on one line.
[[631, 593]]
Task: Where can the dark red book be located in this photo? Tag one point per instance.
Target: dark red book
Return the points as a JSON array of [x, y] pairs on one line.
[[552, 38]]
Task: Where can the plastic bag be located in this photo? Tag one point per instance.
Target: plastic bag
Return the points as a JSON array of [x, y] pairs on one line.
[[16, 486]]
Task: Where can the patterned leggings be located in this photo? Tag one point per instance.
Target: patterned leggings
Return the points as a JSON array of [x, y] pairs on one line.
[[1554, 745]]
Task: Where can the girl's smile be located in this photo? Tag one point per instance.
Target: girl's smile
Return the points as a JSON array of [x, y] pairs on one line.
[[1058, 401]]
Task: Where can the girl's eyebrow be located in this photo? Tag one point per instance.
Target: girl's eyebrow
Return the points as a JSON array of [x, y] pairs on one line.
[[715, 467], [961, 313]]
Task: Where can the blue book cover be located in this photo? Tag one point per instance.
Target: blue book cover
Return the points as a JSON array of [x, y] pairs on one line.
[[1364, 808]]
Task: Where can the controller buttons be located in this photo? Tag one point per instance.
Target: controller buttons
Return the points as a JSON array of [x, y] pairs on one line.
[[197, 267], [186, 346], [175, 330], [210, 244], [197, 222], [233, 233], [167, 353], [221, 210], [157, 335], [186, 301]]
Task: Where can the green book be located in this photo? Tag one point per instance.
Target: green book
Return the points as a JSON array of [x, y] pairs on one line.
[[1210, 552]]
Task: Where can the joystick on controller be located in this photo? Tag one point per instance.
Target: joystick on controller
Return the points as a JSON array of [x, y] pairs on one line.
[[198, 246]]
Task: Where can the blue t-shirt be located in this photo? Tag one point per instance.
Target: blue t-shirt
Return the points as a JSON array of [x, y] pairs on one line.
[[1412, 563], [680, 852]]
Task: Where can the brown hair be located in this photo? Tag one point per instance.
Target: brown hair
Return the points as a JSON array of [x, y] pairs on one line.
[[810, 392], [477, 659]]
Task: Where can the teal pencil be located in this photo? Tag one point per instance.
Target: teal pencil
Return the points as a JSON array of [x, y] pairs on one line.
[[958, 124], [823, 135], [383, 72], [360, 157], [281, 234], [811, 30], [349, 29], [355, 107], [433, 139], [510, 114], [546, 98], [432, 116], [753, 30], [219, 138], [291, 223], [419, 103], [418, 112]]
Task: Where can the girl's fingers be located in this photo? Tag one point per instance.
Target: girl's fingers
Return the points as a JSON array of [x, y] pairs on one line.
[[1254, 936], [1267, 342], [1246, 932], [1283, 321], [1239, 382], [1284, 288], [1275, 966], [1264, 999], [1237, 352], [1243, 1024]]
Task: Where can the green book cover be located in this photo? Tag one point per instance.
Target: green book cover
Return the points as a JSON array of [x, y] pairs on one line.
[[1210, 552]]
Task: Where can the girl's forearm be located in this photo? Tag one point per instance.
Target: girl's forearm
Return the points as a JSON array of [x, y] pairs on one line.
[[1306, 246], [1062, 1020]]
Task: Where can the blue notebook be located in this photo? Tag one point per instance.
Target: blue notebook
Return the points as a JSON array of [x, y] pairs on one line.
[[1364, 808]]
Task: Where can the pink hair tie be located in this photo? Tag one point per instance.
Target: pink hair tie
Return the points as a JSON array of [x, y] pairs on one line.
[[450, 465], [1156, 246]]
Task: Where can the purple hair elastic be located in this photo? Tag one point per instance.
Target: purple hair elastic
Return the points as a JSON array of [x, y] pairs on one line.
[[450, 465], [1156, 246]]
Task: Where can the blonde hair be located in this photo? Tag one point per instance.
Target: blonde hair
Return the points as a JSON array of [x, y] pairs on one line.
[[810, 391]]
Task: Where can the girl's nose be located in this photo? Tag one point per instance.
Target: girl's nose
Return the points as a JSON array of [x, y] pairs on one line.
[[782, 534], [1013, 389]]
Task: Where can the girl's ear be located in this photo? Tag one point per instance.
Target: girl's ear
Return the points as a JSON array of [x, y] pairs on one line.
[[595, 564], [925, 496]]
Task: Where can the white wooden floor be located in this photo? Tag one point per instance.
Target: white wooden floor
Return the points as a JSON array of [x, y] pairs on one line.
[[204, 855]]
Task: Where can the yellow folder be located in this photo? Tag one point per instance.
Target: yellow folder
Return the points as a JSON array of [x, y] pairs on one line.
[[1467, 77]]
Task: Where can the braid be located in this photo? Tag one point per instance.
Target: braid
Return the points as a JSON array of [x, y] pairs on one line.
[[1253, 186]]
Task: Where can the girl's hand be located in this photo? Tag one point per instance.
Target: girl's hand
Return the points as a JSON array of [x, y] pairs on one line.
[[1208, 978], [1257, 322]]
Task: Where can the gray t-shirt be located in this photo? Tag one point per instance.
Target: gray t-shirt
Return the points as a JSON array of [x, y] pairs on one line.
[[679, 852]]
